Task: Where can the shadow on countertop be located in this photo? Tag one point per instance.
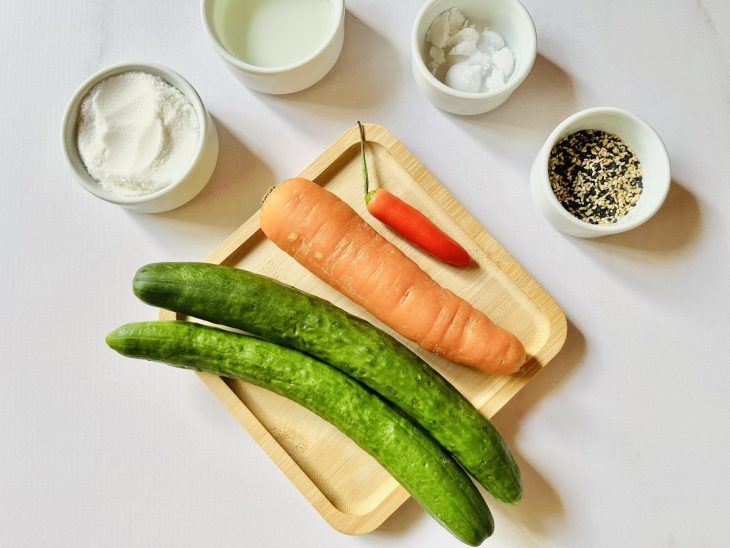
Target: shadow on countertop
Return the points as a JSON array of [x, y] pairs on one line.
[[350, 83], [540, 103], [517, 129], [541, 504], [676, 225], [235, 189], [232, 195], [654, 261], [402, 520]]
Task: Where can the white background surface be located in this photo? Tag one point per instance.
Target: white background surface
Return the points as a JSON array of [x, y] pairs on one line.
[[623, 440]]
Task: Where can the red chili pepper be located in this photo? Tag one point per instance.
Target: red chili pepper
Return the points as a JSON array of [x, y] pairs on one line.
[[410, 223]]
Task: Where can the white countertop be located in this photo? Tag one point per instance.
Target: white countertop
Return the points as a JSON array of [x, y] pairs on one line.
[[623, 439]]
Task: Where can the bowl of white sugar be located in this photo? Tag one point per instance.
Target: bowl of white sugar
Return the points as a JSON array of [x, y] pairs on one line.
[[468, 56], [138, 135]]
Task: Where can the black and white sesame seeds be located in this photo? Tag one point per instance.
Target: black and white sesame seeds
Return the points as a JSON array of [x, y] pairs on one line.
[[595, 176]]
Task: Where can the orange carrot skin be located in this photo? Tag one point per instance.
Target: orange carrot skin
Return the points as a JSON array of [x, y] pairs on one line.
[[415, 227], [331, 240]]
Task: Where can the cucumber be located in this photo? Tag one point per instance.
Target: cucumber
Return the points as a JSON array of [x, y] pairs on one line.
[[413, 458], [280, 313]]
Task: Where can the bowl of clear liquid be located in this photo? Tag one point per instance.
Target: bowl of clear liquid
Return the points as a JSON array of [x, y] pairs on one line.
[[276, 46]]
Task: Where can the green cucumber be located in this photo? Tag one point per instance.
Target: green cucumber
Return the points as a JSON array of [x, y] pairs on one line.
[[280, 313], [412, 457]]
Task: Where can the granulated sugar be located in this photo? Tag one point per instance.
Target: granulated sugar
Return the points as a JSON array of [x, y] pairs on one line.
[[136, 133]]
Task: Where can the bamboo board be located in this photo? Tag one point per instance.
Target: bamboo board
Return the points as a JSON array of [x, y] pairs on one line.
[[347, 486]]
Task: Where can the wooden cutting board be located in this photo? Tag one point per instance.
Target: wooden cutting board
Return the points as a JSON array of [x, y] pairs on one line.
[[345, 484]]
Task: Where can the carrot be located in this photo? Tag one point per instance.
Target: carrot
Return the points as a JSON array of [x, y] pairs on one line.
[[327, 237], [408, 222]]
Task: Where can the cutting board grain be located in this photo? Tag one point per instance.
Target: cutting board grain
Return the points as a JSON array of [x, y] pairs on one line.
[[345, 484]]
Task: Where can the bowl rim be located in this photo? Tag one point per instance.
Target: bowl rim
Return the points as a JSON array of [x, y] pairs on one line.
[[338, 7], [514, 82], [70, 120], [614, 228]]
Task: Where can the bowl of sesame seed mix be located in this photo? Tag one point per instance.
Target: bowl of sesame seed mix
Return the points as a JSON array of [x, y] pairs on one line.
[[601, 171]]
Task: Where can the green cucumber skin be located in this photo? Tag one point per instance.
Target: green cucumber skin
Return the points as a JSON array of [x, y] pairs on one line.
[[283, 314], [413, 458]]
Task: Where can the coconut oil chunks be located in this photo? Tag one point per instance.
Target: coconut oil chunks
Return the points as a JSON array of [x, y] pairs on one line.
[[331, 240], [410, 455], [285, 315], [408, 222]]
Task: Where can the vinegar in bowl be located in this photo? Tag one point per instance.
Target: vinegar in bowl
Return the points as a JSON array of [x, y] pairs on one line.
[[272, 33]]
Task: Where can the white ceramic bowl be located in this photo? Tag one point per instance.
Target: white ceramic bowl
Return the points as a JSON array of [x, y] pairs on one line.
[[636, 133], [288, 78], [509, 18], [174, 195]]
